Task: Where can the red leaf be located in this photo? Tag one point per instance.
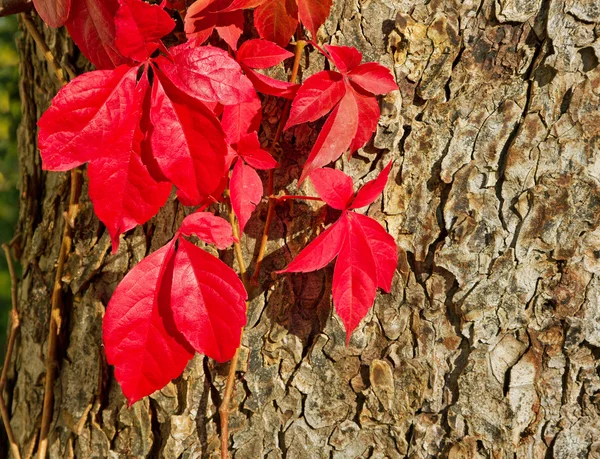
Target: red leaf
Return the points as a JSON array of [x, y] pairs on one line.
[[232, 155], [354, 278], [139, 28], [368, 118], [373, 78], [123, 192], [313, 13], [246, 191], [199, 23], [276, 20], [383, 247], [136, 341], [187, 142], [241, 119], [207, 74], [345, 58], [96, 118], [271, 86], [366, 258], [120, 186], [261, 54], [53, 12], [372, 189], [208, 302], [335, 137], [333, 186], [91, 24], [243, 4], [233, 28], [203, 16], [175, 4], [321, 251], [250, 150], [316, 97], [209, 228], [79, 124]]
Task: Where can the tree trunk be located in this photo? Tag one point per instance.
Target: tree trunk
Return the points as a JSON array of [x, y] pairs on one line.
[[488, 345]]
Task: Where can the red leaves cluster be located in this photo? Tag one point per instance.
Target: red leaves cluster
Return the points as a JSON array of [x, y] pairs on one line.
[[176, 301], [152, 118], [275, 20], [140, 137], [349, 96], [366, 253]]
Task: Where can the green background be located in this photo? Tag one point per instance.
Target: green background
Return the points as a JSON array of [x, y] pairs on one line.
[[10, 112]]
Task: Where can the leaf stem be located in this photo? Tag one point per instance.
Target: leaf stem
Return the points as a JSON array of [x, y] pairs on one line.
[[300, 198], [300, 44]]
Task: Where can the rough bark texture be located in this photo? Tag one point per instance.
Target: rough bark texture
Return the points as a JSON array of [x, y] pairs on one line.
[[488, 345]]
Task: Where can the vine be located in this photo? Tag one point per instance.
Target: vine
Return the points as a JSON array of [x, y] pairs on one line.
[[188, 115]]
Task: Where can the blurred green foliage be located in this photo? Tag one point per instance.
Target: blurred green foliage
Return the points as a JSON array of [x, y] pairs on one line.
[[10, 113]]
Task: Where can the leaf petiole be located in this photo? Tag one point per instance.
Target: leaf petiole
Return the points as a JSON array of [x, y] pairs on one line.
[[300, 198]]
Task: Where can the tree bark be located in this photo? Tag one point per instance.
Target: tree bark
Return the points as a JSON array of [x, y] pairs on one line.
[[488, 345]]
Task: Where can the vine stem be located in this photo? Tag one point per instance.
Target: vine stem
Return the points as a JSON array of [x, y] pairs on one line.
[[4, 413], [226, 402], [14, 449], [300, 44], [39, 41], [237, 247], [56, 312], [14, 316]]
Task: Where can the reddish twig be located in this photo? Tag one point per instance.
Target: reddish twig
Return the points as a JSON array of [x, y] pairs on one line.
[[56, 312], [10, 7], [14, 316], [4, 413], [14, 449], [226, 402], [300, 44]]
